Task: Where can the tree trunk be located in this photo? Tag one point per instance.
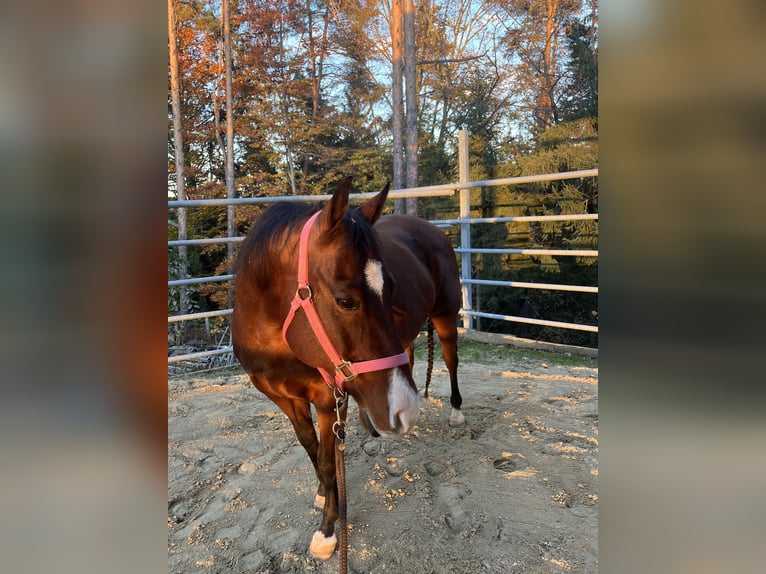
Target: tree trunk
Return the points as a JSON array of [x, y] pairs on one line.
[[397, 96], [230, 227], [411, 156], [314, 83], [285, 112], [217, 105], [175, 95], [549, 72], [316, 63]]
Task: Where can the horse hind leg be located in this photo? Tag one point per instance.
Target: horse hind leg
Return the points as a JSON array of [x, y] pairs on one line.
[[446, 328]]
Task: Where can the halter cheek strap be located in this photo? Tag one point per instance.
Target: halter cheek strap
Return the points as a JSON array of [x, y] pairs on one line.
[[345, 371]]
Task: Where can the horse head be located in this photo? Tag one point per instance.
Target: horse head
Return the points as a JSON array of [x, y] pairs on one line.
[[350, 291]]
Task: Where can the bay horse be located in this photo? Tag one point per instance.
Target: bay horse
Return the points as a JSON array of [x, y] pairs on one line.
[[330, 298]]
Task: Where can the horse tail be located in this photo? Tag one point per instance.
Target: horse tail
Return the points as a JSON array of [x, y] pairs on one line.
[[430, 368]]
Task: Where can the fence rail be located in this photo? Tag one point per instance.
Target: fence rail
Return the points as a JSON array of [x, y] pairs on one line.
[[210, 241], [203, 315], [520, 218], [446, 189], [558, 252], [464, 250], [200, 355], [429, 191], [524, 285], [532, 321]]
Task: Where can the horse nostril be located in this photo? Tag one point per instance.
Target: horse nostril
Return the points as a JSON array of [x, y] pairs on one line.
[[403, 422], [370, 427], [401, 426]]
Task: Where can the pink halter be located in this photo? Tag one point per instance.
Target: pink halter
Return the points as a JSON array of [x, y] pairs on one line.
[[345, 371]]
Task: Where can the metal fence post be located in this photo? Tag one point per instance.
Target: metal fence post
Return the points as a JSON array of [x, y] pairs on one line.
[[465, 228]]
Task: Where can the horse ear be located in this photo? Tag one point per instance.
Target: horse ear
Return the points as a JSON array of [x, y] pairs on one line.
[[372, 208], [333, 212]]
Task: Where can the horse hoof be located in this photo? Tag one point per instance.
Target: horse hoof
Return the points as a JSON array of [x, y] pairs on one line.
[[319, 502], [456, 418], [322, 547]]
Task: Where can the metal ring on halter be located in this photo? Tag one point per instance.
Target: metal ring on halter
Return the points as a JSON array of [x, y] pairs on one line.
[[307, 290]]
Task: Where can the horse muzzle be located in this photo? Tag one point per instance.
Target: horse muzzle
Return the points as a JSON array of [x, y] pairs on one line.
[[403, 409]]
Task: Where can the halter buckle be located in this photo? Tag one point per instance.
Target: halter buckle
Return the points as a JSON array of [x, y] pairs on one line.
[[345, 370]]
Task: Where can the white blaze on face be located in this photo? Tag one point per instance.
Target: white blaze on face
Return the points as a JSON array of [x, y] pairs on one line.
[[373, 274]]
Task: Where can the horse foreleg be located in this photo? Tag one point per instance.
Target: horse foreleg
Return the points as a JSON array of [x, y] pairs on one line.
[[324, 541], [446, 328], [299, 413]]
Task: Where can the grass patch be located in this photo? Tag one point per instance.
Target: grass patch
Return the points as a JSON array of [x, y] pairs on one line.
[[503, 355], [469, 352]]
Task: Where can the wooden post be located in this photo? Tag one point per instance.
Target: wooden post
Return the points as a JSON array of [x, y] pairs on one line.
[[465, 228]]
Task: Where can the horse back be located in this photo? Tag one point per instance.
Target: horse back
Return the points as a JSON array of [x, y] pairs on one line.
[[422, 262]]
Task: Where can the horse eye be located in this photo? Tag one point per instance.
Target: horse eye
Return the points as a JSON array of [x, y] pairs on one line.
[[346, 303]]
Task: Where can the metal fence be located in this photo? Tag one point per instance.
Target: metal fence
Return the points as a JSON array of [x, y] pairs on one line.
[[222, 354]]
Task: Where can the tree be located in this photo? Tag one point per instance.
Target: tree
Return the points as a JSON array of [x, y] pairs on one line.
[[534, 37], [454, 40], [230, 192], [580, 98], [411, 99], [397, 98], [178, 149]]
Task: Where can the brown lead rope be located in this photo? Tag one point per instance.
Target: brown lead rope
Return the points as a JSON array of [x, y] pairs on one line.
[[340, 472], [339, 428]]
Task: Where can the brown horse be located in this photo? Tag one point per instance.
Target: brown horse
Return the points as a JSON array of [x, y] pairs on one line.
[[326, 300]]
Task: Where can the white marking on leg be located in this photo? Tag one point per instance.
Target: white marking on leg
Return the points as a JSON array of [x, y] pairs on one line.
[[321, 547], [456, 418], [319, 502], [373, 273], [403, 402]]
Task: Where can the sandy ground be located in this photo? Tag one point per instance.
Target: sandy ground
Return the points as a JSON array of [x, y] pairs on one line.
[[516, 490]]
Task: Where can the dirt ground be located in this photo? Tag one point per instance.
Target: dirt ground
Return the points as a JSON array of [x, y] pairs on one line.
[[516, 490]]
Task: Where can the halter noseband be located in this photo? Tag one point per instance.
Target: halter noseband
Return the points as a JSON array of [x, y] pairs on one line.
[[345, 371]]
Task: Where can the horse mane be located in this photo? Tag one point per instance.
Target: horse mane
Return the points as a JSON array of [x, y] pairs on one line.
[[270, 236], [361, 234], [259, 253]]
